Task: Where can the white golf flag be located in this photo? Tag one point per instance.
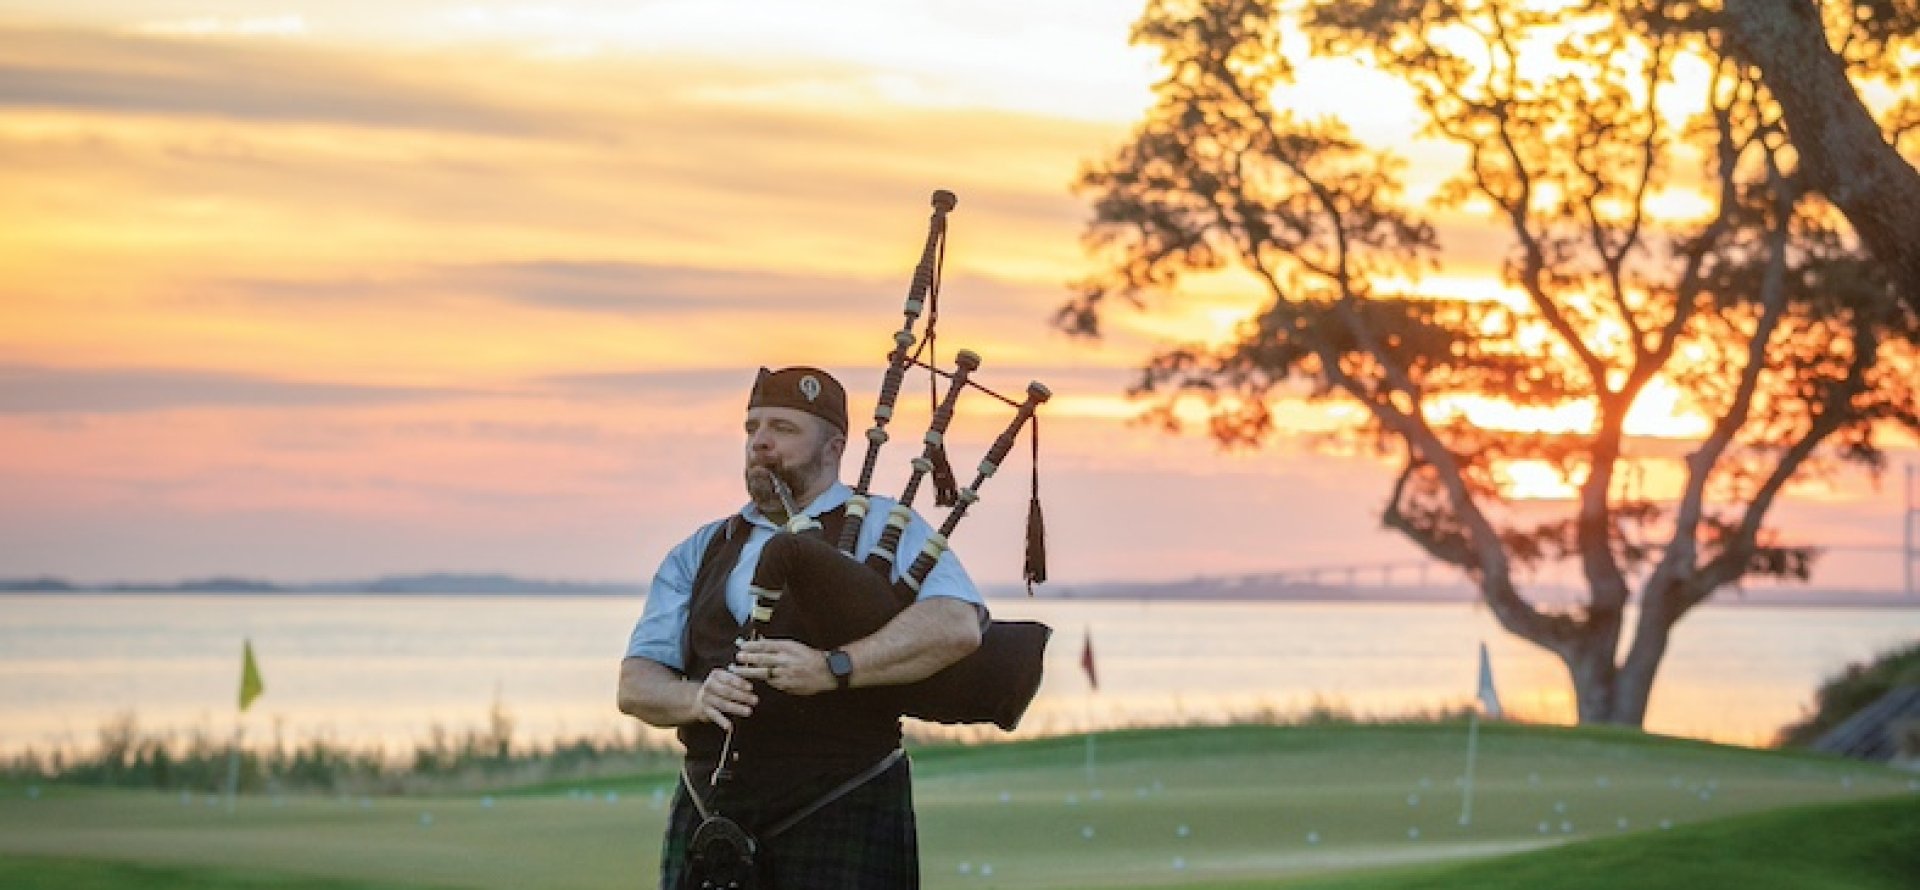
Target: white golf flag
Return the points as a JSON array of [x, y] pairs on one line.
[[1489, 699]]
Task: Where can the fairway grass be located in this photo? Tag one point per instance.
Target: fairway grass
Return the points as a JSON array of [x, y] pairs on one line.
[[1201, 807], [1856, 846]]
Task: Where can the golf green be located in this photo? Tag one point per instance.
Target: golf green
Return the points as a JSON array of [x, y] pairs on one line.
[[1227, 806]]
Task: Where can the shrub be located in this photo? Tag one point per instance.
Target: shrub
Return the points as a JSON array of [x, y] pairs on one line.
[[1859, 685]]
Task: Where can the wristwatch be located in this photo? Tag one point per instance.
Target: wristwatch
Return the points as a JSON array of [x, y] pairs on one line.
[[841, 666]]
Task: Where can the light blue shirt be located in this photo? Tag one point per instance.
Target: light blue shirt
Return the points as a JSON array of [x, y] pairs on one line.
[[657, 635]]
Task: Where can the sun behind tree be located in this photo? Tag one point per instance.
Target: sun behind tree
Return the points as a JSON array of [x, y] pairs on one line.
[[1784, 340]]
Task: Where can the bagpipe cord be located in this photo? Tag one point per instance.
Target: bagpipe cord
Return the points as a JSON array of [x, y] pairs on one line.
[[946, 488], [1036, 568]]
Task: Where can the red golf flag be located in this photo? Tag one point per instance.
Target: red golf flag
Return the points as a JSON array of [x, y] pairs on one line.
[[1086, 660]]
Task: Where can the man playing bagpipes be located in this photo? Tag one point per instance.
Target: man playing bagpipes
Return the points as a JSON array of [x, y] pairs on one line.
[[818, 738], [786, 642]]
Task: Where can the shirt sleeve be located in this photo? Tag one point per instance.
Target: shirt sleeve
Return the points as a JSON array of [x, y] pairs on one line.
[[663, 621]]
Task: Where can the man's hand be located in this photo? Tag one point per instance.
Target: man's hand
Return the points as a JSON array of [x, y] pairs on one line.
[[659, 695], [725, 694], [793, 668]]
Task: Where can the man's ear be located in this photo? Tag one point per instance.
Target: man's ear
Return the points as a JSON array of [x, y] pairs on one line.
[[836, 440]]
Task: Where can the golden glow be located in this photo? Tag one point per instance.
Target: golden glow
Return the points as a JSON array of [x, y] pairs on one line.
[[1660, 412], [1681, 205], [1496, 414], [1456, 282], [1533, 480], [1224, 323], [1290, 414]]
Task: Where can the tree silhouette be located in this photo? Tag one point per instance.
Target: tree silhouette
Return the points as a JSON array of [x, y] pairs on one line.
[[1762, 312]]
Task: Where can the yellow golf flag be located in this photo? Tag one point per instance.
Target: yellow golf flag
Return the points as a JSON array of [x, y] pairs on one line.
[[250, 685]]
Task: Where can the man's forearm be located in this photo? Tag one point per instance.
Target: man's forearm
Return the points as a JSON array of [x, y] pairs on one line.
[[656, 693], [924, 638]]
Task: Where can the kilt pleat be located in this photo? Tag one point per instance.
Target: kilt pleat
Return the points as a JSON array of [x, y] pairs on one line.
[[866, 840]]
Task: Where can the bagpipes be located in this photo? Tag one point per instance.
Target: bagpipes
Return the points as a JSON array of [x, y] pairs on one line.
[[807, 589]]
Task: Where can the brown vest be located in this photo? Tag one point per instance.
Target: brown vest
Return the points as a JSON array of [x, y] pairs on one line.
[[786, 734]]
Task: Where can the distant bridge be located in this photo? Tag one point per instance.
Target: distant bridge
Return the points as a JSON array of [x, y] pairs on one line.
[[1910, 533], [1352, 574]]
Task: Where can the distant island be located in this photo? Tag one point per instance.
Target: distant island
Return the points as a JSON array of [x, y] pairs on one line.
[[428, 583]]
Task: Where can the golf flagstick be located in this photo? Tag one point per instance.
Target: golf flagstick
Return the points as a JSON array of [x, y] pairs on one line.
[[250, 689], [1093, 686], [1485, 698]]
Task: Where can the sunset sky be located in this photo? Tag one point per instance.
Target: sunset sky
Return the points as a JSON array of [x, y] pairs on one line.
[[312, 291]]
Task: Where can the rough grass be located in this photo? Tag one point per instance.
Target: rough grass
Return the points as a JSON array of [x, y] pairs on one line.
[[1238, 806], [48, 873]]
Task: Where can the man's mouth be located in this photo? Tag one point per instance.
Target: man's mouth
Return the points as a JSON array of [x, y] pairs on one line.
[[760, 482]]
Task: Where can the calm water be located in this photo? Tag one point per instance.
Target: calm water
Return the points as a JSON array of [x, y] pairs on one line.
[[386, 670]]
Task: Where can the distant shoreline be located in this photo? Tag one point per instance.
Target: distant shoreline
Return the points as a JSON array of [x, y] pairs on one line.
[[1203, 590], [447, 584], [1459, 595]]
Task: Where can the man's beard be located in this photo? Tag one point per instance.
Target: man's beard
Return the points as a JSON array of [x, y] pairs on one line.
[[761, 490]]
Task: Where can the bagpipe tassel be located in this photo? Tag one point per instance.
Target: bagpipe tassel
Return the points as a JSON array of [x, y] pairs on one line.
[[1036, 546], [1036, 570]]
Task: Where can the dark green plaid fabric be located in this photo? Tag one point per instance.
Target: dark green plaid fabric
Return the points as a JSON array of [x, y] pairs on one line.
[[866, 840]]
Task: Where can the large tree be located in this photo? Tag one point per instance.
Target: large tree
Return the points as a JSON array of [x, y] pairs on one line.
[[1846, 154], [1762, 310]]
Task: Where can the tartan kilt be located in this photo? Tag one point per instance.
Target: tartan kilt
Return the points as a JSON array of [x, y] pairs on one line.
[[866, 840]]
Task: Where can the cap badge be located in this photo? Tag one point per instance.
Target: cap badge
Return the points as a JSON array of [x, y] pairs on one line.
[[810, 387]]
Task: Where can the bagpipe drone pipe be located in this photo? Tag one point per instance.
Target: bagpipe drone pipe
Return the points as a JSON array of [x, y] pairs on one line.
[[818, 593], [811, 591]]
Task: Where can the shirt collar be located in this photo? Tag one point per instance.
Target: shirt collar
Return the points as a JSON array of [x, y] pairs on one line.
[[835, 495]]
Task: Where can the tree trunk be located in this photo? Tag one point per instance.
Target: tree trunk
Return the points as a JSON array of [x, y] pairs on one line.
[[1594, 681], [1633, 689], [1843, 151]]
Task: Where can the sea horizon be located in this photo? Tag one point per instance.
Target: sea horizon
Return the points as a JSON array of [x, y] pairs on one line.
[[390, 669]]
